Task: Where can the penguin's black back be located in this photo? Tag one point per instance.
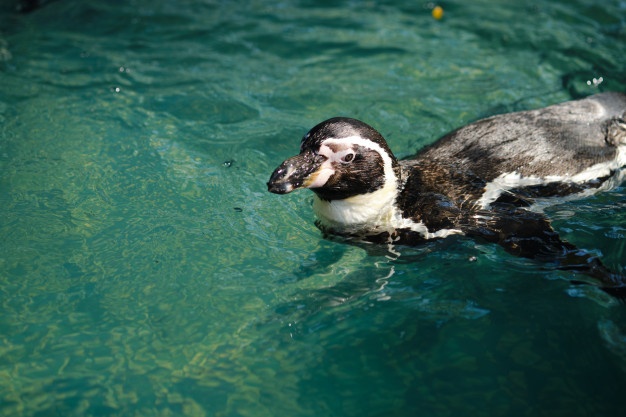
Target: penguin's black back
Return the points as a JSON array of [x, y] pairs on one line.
[[556, 141]]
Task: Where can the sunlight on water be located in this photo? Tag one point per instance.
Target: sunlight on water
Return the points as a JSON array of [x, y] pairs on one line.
[[145, 270]]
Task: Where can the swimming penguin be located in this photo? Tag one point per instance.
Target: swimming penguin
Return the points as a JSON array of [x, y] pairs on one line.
[[487, 180]]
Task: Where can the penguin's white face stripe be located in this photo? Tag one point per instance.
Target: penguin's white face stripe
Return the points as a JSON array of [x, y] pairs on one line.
[[327, 169], [335, 150]]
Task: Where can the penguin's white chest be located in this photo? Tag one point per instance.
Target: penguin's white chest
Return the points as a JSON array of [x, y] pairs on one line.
[[370, 213], [361, 213]]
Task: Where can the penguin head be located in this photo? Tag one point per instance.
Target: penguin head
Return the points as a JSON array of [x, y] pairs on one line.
[[339, 158]]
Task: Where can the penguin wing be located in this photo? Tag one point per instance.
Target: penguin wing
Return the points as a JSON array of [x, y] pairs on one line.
[[530, 235], [519, 231]]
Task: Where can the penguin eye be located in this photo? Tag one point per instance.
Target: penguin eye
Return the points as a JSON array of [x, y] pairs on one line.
[[348, 158]]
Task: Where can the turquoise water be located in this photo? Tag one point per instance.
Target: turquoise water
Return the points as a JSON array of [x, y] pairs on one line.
[[145, 270]]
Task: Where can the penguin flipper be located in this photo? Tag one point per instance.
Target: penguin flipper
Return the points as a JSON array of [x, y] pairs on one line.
[[530, 235]]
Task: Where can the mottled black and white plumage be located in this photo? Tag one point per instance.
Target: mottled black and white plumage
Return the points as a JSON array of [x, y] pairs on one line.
[[487, 180]]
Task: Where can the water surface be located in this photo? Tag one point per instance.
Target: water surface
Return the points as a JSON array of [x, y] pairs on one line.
[[145, 270]]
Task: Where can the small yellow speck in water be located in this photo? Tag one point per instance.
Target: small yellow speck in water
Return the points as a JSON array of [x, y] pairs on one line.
[[437, 12]]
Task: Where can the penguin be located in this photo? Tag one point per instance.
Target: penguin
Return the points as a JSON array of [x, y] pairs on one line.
[[488, 180]]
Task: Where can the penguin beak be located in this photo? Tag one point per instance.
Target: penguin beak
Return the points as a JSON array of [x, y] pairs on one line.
[[296, 172]]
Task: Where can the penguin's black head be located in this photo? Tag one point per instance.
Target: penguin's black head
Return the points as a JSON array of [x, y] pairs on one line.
[[339, 158]]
